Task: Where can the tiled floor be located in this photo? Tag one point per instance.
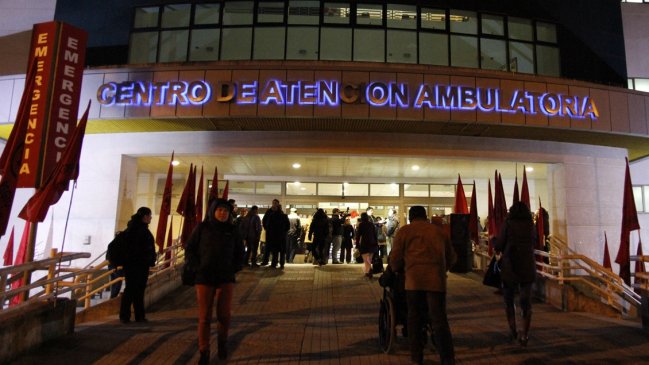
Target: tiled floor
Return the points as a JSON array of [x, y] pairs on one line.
[[328, 315]]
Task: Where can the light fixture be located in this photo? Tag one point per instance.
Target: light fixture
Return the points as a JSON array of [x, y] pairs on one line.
[[346, 183], [296, 183], [415, 167], [175, 163], [394, 185], [296, 165], [303, 188], [529, 169]]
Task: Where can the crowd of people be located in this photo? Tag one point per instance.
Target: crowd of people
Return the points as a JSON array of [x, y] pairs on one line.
[[421, 250]]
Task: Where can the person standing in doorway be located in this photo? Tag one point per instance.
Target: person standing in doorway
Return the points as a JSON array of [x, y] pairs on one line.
[[337, 235], [348, 244], [423, 251], [215, 252], [318, 232], [367, 243], [140, 257], [276, 225], [517, 266], [250, 232], [392, 225], [294, 232]]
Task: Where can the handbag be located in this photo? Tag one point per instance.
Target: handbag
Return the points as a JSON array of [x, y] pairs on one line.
[[377, 264], [492, 275]]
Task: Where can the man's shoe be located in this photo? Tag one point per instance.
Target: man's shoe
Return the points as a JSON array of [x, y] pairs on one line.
[[125, 320], [142, 320]]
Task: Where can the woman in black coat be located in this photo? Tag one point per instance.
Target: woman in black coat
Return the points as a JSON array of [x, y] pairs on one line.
[[215, 253], [318, 232], [139, 256], [518, 268], [367, 243]]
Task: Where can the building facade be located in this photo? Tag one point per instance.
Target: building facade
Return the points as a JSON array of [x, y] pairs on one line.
[[358, 93]]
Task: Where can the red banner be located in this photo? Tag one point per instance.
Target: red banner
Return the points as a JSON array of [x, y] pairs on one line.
[[59, 50]]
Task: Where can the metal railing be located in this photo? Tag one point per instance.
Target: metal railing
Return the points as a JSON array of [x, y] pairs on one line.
[[565, 266], [81, 284]]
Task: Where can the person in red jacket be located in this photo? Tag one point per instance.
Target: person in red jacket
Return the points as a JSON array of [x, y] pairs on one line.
[[424, 253]]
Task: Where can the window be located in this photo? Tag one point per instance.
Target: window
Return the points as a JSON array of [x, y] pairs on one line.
[[546, 32], [237, 13], [493, 54], [302, 43], [298, 188], [330, 189], [521, 57], [369, 14], [433, 19], [143, 47], [336, 13], [241, 187], [442, 191], [493, 25], [146, 17], [520, 29], [268, 188], [415, 190], [176, 16], [637, 197], [384, 189], [270, 12], [402, 46], [369, 45], [401, 16], [336, 44], [205, 45], [269, 43], [236, 43], [355, 189], [433, 49], [463, 22], [173, 46], [303, 12], [464, 51], [207, 13]]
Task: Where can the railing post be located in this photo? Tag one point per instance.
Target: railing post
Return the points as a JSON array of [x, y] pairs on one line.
[[51, 270], [88, 290]]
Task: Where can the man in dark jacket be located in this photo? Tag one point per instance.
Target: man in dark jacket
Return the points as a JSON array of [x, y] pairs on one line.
[[276, 224], [337, 235], [140, 256]]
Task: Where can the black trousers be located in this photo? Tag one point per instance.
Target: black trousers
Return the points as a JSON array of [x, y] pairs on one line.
[[277, 250], [423, 306], [251, 253], [136, 278]]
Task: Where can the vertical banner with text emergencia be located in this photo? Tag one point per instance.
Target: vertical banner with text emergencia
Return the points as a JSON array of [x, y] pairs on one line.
[[59, 50]]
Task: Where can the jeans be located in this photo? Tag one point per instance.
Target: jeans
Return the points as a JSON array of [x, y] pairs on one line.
[[206, 295], [251, 253], [116, 287], [335, 251], [422, 304]]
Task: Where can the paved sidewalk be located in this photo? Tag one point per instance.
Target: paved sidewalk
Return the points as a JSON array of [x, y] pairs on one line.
[[328, 315]]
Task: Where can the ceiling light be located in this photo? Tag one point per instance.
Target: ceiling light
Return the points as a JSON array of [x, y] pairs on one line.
[[415, 167], [175, 163], [529, 169], [296, 183], [346, 183], [303, 188], [296, 165], [394, 185]]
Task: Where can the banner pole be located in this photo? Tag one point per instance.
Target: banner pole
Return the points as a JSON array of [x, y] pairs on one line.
[[29, 257]]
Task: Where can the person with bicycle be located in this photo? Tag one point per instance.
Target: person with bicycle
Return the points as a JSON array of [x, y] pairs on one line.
[[423, 251]]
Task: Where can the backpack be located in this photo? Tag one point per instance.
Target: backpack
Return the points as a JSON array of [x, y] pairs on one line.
[[116, 252]]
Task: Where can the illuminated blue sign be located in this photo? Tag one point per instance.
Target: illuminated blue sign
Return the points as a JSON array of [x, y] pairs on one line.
[[328, 93]]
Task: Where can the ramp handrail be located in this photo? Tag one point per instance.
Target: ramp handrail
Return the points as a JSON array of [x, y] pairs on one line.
[[564, 265], [79, 283]]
